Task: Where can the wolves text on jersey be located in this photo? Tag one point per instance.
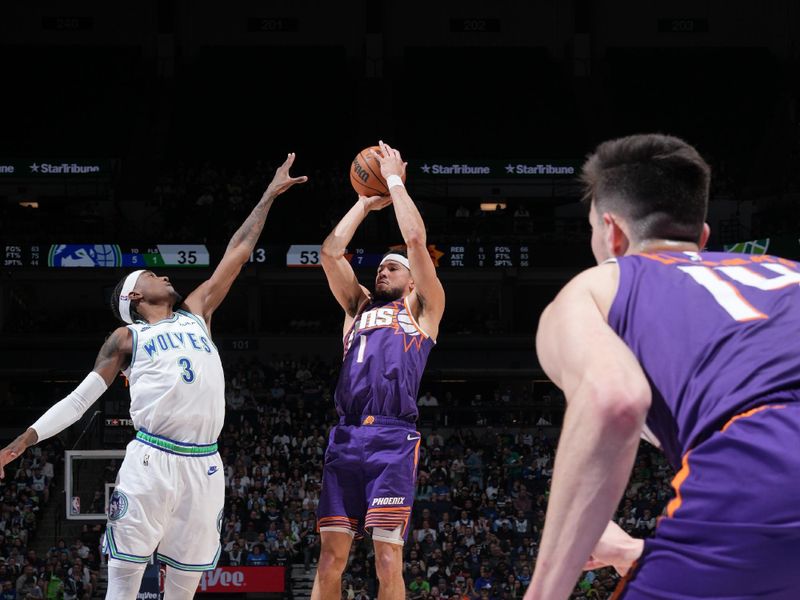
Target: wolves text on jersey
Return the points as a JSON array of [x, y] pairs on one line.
[[168, 341]]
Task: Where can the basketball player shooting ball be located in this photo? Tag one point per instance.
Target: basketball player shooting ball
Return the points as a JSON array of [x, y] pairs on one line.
[[170, 488], [371, 460], [701, 352]]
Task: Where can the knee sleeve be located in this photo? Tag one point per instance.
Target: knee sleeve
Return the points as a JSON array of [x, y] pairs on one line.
[[391, 536], [124, 579], [181, 585]]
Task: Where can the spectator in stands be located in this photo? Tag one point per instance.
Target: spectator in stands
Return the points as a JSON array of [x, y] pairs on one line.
[[235, 399], [427, 399], [74, 588], [80, 570], [434, 439], [257, 557], [645, 524], [310, 546], [428, 409], [9, 592], [501, 520], [54, 583], [235, 556], [39, 484], [474, 463], [419, 585], [281, 558], [81, 549], [26, 582]]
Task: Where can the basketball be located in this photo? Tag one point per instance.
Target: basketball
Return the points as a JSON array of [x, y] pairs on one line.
[[365, 174]]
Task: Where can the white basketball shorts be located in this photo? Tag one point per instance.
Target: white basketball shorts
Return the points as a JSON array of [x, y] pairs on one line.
[[169, 495]]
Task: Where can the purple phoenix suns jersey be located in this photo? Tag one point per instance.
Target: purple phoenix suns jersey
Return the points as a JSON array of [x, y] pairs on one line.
[[716, 334], [384, 356]]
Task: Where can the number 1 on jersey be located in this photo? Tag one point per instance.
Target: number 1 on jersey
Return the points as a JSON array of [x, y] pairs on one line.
[[362, 347]]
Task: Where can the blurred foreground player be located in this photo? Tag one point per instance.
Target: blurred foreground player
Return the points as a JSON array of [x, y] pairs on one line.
[[170, 488], [701, 352], [371, 462]]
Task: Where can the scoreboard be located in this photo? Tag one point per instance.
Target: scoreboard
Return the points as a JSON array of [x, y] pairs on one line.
[[104, 255], [446, 256], [443, 256], [486, 255]]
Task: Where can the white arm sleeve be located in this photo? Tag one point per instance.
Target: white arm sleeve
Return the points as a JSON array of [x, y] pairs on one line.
[[65, 412]]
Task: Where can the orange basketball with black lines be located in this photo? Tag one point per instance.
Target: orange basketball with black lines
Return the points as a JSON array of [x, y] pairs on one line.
[[365, 174]]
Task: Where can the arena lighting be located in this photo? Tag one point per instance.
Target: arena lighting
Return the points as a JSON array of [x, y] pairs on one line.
[[492, 206], [29, 203]]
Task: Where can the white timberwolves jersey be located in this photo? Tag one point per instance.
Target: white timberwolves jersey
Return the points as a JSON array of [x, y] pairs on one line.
[[176, 380]]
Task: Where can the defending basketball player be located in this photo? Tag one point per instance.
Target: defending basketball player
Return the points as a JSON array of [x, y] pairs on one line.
[[699, 352], [170, 488], [371, 461]]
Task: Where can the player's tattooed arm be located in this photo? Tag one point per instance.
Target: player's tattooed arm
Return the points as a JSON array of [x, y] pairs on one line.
[[245, 238], [210, 294], [114, 355]]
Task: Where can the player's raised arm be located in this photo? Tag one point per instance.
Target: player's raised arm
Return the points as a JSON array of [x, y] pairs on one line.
[[341, 277], [112, 358], [209, 295], [608, 397], [428, 291]]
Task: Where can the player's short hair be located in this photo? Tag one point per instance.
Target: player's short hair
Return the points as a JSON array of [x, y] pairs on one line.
[[658, 183], [135, 316], [402, 253]]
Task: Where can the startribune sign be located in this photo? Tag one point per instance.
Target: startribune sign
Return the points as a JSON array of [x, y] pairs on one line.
[[44, 168], [495, 169]]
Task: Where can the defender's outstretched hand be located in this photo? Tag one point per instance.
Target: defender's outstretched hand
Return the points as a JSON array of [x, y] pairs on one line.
[[282, 180], [7, 454], [205, 299], [11, 452]]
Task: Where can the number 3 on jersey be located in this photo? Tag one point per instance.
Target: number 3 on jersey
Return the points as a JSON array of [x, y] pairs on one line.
[[187, 375], [729, 297]]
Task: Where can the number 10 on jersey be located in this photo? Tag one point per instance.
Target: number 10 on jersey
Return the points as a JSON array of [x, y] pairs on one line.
[[729, 297]]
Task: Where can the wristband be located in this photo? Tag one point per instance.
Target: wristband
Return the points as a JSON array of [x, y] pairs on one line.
[[393, 180]]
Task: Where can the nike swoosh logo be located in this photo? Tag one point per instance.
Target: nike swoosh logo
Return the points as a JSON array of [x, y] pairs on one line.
[[409, 438]]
